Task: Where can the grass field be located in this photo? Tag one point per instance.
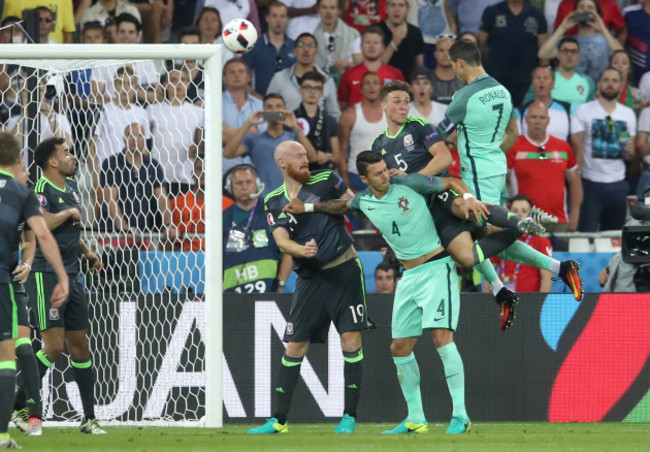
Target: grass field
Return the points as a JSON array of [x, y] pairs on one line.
[[630, 437]]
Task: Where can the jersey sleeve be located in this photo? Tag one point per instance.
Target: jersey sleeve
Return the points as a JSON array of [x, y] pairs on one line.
[[355, 203], [571, 159], [41, 194], [420, 183], [337, 186], [31, 208], [344, 87], [275, 218], [454, 115], [429, 135]]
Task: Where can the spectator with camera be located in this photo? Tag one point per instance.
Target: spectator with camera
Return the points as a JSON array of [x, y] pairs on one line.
[[321, 129], [252, 262], [610, 12], [287, 82], [260, 147], [608, 142], [595, 40]]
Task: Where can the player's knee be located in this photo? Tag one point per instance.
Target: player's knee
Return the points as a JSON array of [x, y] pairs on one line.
[[464, 258], [53, 350], [400, 348], [442, 337], [351, 341]]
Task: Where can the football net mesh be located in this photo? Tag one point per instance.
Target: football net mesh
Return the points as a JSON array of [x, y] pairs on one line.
[[135, 128]]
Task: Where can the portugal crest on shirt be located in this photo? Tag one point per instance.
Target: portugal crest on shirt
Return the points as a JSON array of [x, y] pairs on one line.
[[403, 203]]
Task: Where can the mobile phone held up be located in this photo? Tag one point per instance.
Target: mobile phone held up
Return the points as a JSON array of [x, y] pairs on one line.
[[273, 116], [583, 18]]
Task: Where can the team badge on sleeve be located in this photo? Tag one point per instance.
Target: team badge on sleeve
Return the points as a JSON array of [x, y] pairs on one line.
[[269, 219], [42, 200], [76, 197]]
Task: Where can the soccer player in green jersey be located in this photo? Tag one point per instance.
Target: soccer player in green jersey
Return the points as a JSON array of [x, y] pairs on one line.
[[18, 204], [427, 295], [483, 116]]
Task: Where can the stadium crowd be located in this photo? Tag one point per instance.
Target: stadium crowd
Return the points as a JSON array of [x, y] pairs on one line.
[[578, 72]]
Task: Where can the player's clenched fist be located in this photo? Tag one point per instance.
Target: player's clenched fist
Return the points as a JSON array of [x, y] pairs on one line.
[[310, 248]]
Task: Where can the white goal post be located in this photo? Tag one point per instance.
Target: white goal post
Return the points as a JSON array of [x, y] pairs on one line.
[[49, 58]]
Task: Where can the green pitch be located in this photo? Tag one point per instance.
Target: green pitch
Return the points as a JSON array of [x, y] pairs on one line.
[[319, 437]]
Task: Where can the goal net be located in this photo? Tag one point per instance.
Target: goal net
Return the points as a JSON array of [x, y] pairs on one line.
[[144, 123]]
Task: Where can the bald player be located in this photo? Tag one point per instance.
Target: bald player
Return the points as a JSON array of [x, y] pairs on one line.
[[330, 285]]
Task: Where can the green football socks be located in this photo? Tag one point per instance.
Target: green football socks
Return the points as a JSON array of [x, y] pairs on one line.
[[408, 374], [455, 374]]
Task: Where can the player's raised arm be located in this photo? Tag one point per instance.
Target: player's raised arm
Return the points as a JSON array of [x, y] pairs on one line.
[[333, 206]]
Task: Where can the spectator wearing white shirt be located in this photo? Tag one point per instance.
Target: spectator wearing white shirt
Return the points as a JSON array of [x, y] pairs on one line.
[[304, 17], [210, 25], [173, 125], [339, 45], [422, 106], [128, 32], [608, 142], [116, 115], [105, 9]]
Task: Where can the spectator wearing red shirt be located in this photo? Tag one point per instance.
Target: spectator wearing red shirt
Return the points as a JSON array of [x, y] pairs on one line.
[[519, 277], [540, 164], [188, 211], [372, 48], [612, 17]]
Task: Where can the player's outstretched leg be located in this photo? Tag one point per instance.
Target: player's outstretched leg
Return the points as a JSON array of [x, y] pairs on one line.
[[408, 374], [455, 373], [353, 373], [30, 419], [287, 380], [567, 270], [505, 299]]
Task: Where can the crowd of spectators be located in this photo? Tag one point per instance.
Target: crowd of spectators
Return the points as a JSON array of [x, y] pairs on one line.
[[578, 72]]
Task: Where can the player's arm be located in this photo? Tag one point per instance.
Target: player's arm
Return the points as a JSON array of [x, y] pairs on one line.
[[333, 206], [510, 136], [51, 252], [28, 250], [293, 248], [235, 148], [54, 220], [94, 262], [441, 159], [284, 270]]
